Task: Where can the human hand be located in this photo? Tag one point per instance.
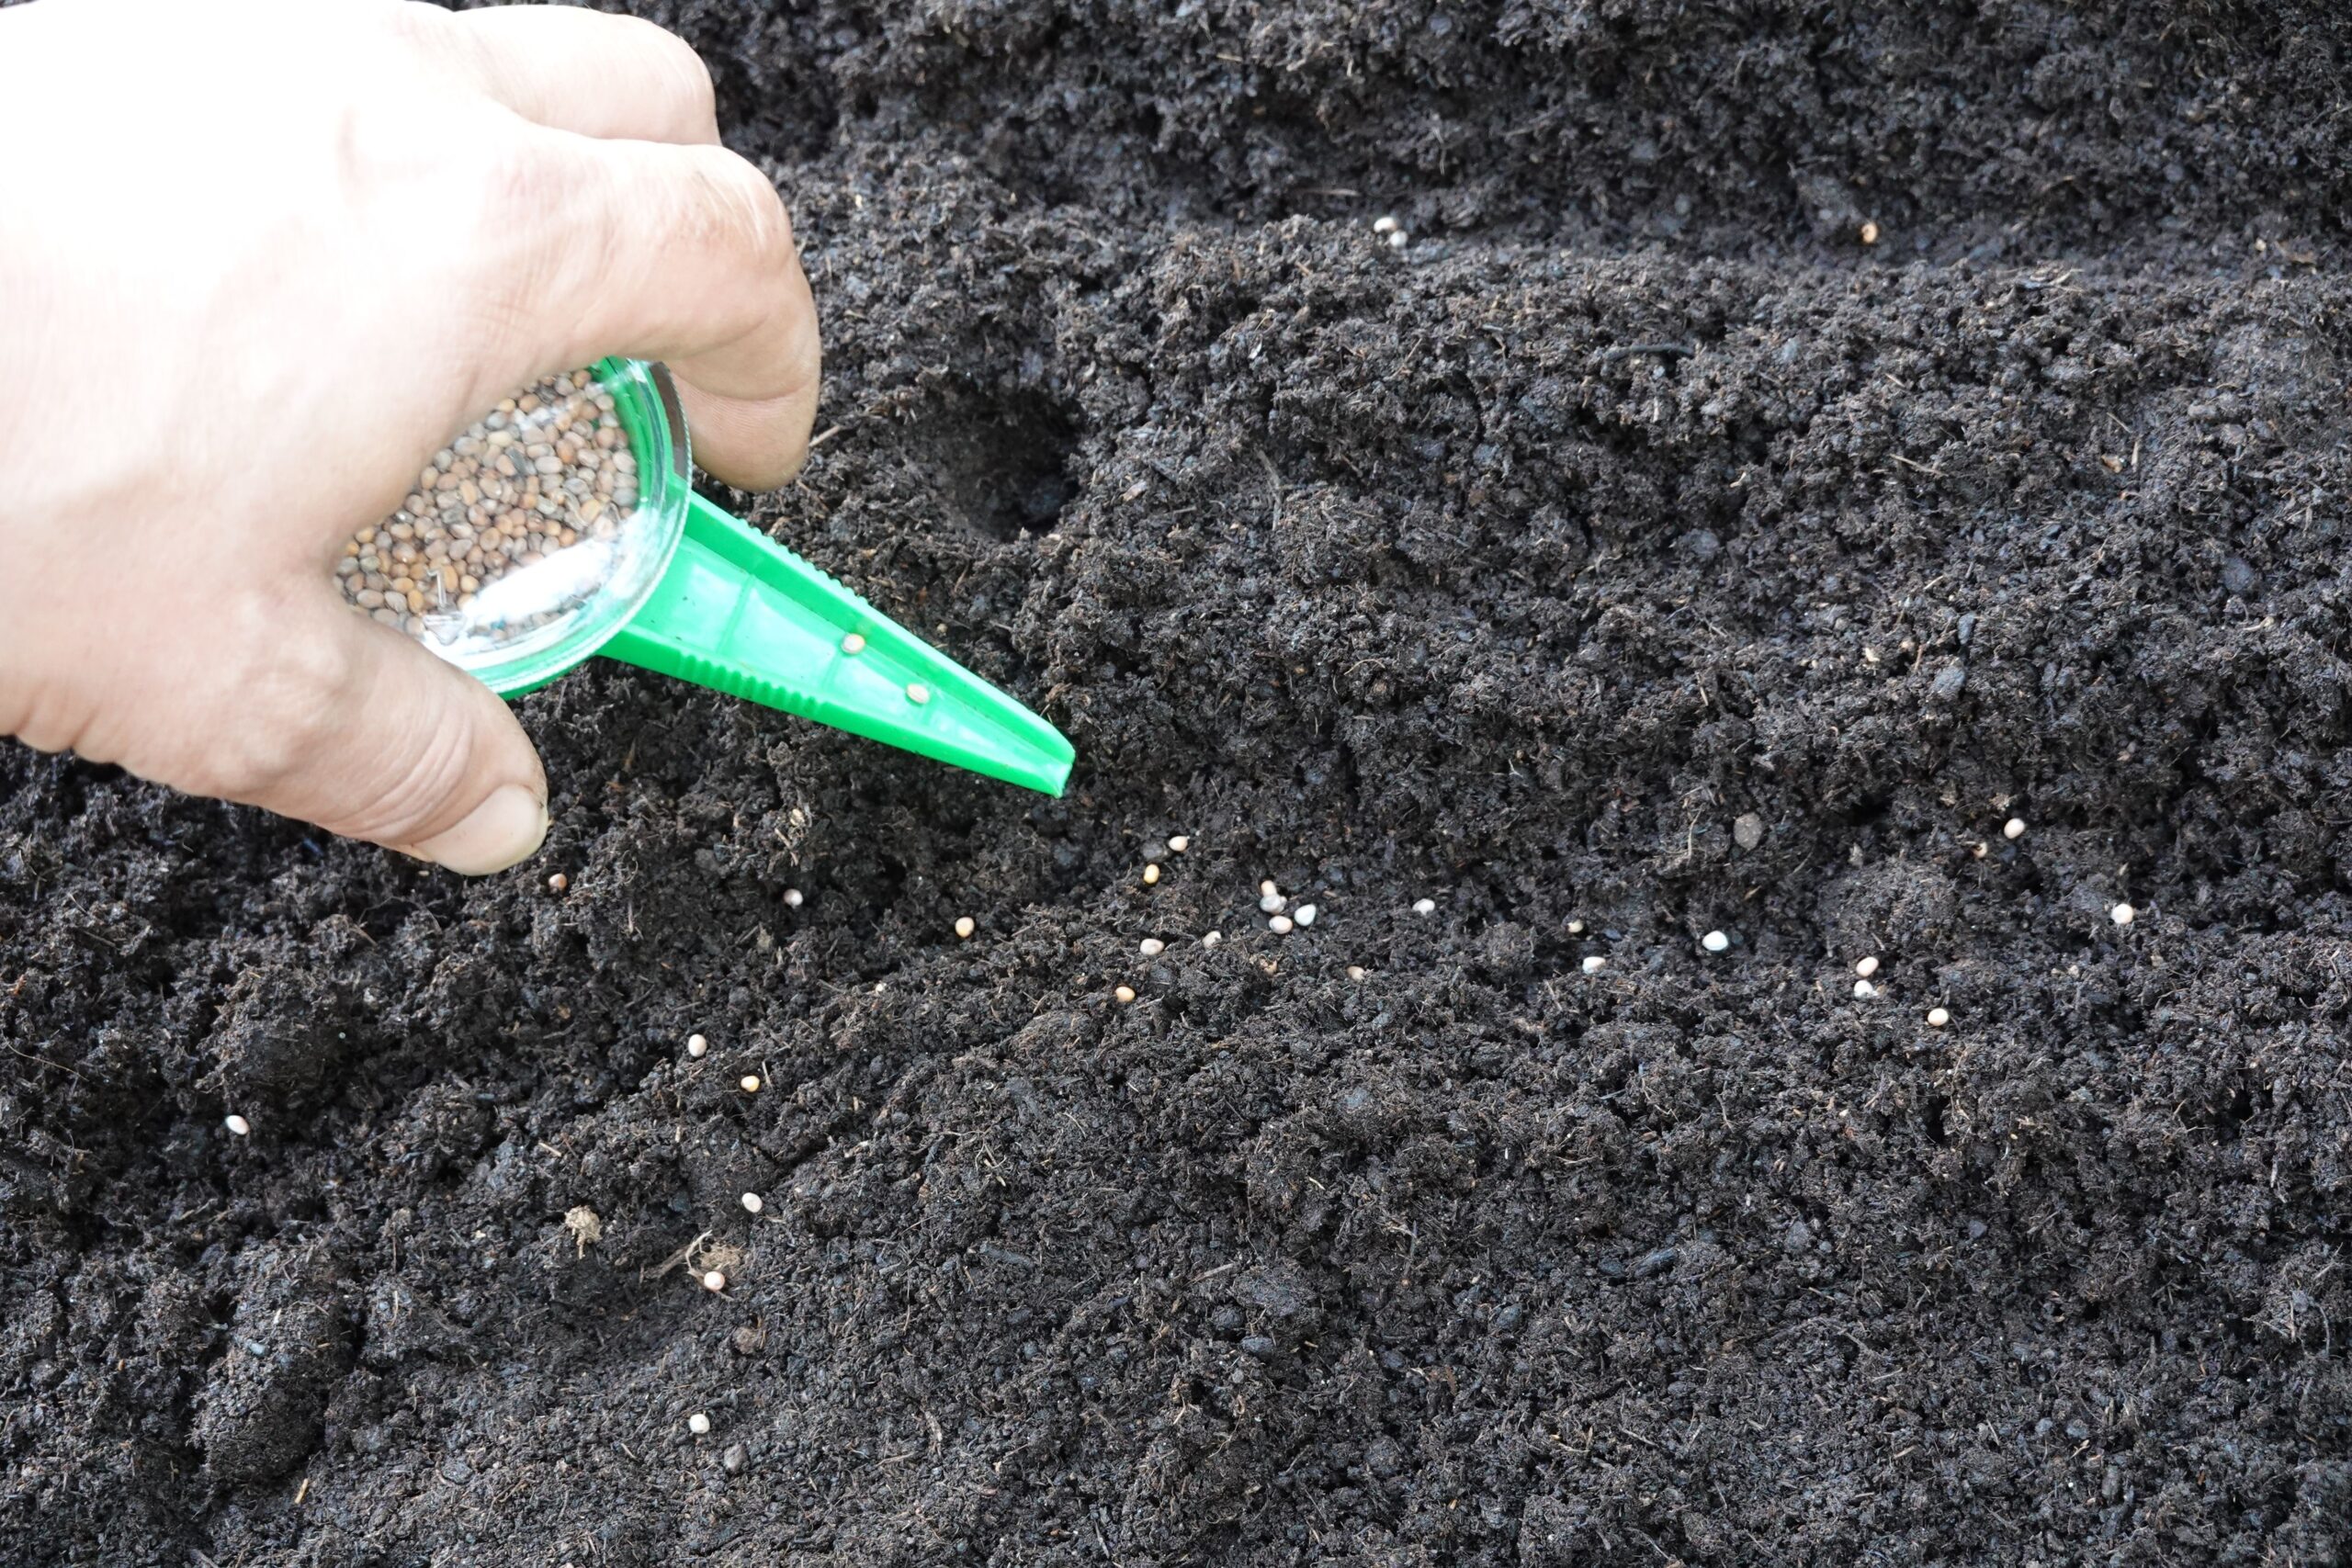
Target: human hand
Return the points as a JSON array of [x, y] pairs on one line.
[[259, 259]]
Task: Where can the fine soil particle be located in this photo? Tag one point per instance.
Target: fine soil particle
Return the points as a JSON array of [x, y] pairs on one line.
[[1634, 546]]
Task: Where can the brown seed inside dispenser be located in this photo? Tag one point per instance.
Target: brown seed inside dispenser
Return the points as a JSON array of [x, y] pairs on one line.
[[549, 475]]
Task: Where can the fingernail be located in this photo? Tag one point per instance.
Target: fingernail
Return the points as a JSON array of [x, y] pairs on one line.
[[503, 831]]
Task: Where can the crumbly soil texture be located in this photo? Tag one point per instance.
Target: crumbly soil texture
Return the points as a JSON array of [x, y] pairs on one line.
[[1792, 439]]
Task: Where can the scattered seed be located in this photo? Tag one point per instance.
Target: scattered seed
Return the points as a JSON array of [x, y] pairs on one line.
[[1575, 928], [750, 1083], [696, 1045], [1937, 1018], [917, 692], [1399, 239], [1383, 224], [965, 926], [1212, 939], [1179, 844], [1153, 947], [1124, 995], [1425, 906], [1273, 903], [1595, 965], [1355, 971], [1864, 988], [792, 897], [698, 1424], [1267, 889], [752, 1202], [1869, 233], [1306, 914], [854, 643], [2123, 914], [2013, 828], [1150, 875], [1866, 967], [557, 883], [236, 1124], [1280, 925], [714, 1281], [1980, 848], [1716, 941]]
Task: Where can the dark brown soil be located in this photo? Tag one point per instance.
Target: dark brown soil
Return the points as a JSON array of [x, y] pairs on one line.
[[1387, 574]]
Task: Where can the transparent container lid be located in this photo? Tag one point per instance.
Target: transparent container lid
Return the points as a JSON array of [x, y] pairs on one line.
[[535, 533]]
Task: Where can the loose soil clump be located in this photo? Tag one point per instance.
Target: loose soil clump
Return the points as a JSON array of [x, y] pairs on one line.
[[1635, 553]]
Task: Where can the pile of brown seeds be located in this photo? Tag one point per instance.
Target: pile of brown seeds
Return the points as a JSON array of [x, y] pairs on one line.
[[549, 470]]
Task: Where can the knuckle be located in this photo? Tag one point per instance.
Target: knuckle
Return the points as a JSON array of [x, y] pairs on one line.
[[406, 801], [521, 176], [754, 210], [285, 699], [698, 92]]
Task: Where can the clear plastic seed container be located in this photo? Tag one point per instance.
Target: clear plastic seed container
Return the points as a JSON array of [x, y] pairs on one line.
[[536, 533]]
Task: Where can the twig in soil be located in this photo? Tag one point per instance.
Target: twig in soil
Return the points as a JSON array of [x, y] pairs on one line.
[[678, 1256], [1656, 350], [46, 1063]]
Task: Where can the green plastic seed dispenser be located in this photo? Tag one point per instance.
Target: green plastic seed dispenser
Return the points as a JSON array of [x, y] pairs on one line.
[[679, 587]]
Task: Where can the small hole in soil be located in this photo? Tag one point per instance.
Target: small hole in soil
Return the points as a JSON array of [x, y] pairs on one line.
[[1005, 465], [1932, 1115]]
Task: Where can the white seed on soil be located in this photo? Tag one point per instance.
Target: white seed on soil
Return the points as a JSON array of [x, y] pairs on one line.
[[697, 1045], [698, 1424], [1212, 939], [1866, 967], [557, 883], [1267, 889], [1150, 875], [1280, 925], [965, 926], [1575, 928], [714, 1281], [752, 1202], [1425, 906], [917, 692], [2123, 914], [792, 897], [1273, 903], [1124, 995], [1355, 971], [1937, 1018], [1595, 965], [1152, 947], [1383, 224], [1714, 941], [1179, 844], [2013, 828], [1305, 914], [852, 644], [1980, 848], [750, 1083], [1864, 988], [236, 1124], [1399, 239]]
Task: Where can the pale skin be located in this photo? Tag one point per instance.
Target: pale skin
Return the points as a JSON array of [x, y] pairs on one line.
[[259, 259]]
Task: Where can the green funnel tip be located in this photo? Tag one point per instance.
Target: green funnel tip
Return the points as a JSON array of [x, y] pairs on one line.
[[742, 615]]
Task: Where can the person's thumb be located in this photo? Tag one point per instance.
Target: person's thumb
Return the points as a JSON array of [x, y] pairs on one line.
[[365, 733]]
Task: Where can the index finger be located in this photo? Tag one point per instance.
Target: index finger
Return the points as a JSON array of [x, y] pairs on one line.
[[592, 72], [682, 254]]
